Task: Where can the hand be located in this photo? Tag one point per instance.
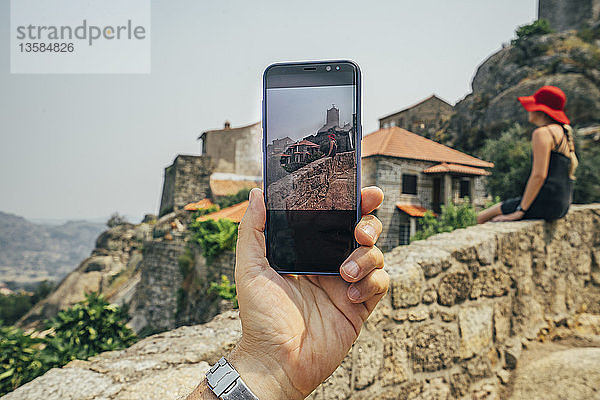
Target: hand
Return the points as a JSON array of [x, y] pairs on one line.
[[296, 330], [517, 215]]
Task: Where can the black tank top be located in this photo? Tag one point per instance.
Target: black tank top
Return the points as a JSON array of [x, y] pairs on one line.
[[555, 196]]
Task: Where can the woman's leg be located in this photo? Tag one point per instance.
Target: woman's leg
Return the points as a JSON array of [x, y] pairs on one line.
[[489, 213]]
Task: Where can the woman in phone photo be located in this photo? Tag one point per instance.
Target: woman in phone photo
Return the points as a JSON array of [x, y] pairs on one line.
[[549, 190]]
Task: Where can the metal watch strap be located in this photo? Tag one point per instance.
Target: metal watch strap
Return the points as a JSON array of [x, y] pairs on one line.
[[226, 383]]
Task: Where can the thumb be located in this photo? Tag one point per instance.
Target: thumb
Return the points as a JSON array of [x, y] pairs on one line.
[[251, 247]]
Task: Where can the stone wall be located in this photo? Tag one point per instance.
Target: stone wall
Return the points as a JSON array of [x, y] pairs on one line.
[[452, 326], [425, 118], [324, 184], [155, 302], [186, 180], [569, 14]]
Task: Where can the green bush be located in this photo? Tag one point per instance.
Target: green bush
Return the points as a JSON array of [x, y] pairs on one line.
[[452, 217], [213, 236], [86, 329], [229, 200], [539, 27], [82, 331], [224, 289], [204, 211], [19, 358]]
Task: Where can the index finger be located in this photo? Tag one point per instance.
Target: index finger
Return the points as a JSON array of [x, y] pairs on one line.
[[371, 198]]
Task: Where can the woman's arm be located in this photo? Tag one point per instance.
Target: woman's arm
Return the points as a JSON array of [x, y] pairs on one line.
[[541, 144]]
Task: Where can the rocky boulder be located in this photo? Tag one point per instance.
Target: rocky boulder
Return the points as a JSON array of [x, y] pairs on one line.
[[560, 59]]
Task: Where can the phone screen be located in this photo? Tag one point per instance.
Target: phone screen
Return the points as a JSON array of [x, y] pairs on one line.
[[312, 144]]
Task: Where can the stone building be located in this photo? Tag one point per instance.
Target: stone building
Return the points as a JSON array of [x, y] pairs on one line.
[[417, 174], [425, 118], [187, 179], [569, 14], [230, 159], [237, 157]]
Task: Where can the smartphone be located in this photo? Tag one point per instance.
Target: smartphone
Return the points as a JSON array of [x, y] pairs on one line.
[[311, 164]]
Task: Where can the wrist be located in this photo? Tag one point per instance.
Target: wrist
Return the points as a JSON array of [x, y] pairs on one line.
[[262, 374]]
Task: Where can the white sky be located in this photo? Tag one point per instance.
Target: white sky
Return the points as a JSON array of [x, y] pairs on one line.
[[84, 146]]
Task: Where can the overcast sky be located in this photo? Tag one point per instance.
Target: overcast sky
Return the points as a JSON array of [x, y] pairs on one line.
[[84, 146], [299, 112]]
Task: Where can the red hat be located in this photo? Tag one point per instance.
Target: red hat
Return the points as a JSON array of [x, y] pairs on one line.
[[548, 99]]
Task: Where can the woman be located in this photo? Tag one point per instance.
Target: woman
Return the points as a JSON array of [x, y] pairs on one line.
[[549, 189]]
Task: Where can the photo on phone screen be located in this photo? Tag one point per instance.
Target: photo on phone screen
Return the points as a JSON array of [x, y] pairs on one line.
[[311, 170]]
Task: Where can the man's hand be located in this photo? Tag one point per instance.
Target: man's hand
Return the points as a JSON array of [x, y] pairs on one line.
[[515, 216], [296, 330]]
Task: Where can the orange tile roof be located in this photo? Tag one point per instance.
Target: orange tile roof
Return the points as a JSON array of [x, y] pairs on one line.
[[398, 142], [306, 142], [412, 210], [461, 169], [234, 213], [204, 203]]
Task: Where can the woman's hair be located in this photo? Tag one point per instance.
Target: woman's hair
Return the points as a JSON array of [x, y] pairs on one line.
[[571, 142]]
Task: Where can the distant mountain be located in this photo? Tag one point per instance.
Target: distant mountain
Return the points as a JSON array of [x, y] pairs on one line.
[[32, 252]]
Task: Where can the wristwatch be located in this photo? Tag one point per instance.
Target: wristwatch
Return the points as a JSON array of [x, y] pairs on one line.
[[226, 383], [519, 208]]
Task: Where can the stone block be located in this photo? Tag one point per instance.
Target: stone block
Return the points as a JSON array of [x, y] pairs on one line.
[[433, 348], [502, 315], [407, 283], [367, 357], [475, 323], [459, 384], [490, 282], [528, 317], [512, 353], [396, 355], [486, 251], [454, 287]]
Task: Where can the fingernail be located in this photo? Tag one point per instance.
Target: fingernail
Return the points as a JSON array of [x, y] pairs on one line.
[[353, 293], [369, 230], [350, 268]]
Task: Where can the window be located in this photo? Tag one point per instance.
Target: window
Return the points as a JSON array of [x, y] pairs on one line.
[[465, 188], [409, 184]]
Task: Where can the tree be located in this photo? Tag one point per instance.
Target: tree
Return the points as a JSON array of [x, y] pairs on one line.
[[115, 220], [511, 155], [538, 27]]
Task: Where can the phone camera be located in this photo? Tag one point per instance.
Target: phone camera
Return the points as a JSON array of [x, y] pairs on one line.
[[337, 67], [328, 68]]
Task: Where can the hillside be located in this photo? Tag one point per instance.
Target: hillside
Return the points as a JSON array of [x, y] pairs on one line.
[[569, 60], [32, 252]]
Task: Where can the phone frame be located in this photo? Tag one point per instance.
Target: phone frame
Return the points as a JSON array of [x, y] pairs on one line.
[[301, 65]]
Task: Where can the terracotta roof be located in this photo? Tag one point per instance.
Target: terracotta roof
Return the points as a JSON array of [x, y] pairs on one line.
[[412, 210], [461, 169], [223, 187], [204, 203], [307, 142], [234, 213], [398, 142]]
